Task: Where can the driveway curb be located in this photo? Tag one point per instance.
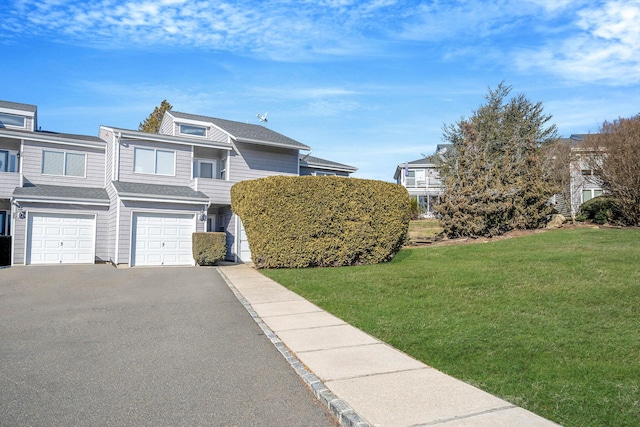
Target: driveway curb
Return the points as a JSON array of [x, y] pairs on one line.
[[340, 409]]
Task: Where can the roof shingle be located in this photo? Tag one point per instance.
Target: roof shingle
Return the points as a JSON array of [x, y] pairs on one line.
[[62, 193], [169, 192], [245, 132]]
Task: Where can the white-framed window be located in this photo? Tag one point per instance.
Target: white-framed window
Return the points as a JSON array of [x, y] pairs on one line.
[[8, 161], [591, 193], [223, 169], [410, 178], [205, 169], [154, 161], [317, 173], [192, 130], [63, 163], [12, 120]]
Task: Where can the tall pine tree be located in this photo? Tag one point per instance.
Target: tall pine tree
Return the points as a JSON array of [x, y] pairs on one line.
[[152, 123], [493, 176]]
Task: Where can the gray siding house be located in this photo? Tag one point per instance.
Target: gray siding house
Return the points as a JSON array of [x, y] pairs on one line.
[[584, 182], [422, 181], [129, 197], [315, 166]]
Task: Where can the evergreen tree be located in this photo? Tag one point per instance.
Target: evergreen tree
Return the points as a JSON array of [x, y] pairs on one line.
[[152, 123], [493, 175]]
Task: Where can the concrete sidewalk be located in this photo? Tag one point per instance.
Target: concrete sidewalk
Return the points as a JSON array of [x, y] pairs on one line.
[[364, 381]]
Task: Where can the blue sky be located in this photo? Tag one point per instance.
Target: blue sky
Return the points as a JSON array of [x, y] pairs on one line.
[[369, 84]]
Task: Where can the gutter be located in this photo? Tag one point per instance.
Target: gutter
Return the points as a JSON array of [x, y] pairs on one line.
[[87, 202], [136, 197], [35, 136]]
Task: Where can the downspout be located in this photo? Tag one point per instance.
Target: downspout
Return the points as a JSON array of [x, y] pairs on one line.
[[116, 162], [14, 213], [116, 177], [116, 258], [21, 163]]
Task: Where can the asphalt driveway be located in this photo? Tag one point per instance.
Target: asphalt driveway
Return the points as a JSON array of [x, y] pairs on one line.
[[95, 345]]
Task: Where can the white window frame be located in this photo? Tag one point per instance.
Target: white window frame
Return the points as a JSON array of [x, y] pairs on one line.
[[64, 163], [204, 128], [593, 191], [6, 166], [407, 177], [198, 164], [155, 161], [320, 173], [222, 173], [9, 115]]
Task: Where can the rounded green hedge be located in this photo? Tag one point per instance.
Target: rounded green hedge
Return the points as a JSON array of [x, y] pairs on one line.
[[208, 248], [600, 210], [308, 221]]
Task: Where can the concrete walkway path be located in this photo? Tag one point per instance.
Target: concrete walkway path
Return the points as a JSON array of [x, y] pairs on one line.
[[362, 380]]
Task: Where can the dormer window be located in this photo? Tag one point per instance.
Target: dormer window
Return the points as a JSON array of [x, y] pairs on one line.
[[191, 130], [12, 120]]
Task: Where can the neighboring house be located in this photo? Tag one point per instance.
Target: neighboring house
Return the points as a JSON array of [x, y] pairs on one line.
[[422, 181], [584, 181], [130, 197], [316, 166]]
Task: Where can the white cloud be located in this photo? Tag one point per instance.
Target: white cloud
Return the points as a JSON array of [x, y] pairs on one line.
[[278, 28], [605, 47], [573, 39], [332, 107], [553, 5]]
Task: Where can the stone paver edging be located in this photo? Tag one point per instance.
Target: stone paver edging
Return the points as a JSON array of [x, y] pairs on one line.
[[344, 413]]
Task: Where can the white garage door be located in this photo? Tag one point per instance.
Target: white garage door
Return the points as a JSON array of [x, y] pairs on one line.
[[61, 238], [162, 239]]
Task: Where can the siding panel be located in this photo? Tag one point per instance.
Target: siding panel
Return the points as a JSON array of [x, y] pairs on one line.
[[253, 161]]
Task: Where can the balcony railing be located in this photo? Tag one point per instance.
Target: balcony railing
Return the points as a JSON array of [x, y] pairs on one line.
[[218, 190], [423, 183]]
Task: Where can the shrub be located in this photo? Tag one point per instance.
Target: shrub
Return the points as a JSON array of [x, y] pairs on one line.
[[599, 210], [208, 248], [308, 221]]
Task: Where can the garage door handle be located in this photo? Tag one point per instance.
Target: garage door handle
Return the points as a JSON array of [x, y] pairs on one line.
[[163, 244], [61, 244]]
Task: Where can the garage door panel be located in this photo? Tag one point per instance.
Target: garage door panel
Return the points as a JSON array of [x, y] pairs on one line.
[[51, 258], [170, 232], [154, 231], [52, 231], [162, 239], [170, 246]]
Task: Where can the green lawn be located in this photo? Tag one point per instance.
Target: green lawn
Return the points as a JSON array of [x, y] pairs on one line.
[[550, 322], [424, 228]]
